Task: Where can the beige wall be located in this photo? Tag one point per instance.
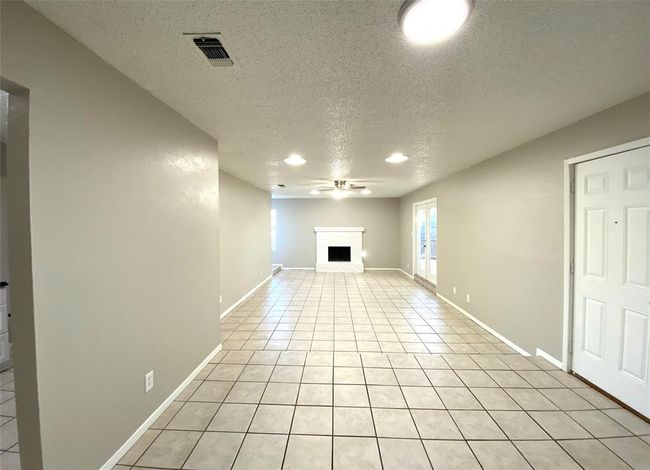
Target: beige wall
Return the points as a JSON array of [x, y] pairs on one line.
[[501, 227], [296, 219], [125, 253], [245, 238]]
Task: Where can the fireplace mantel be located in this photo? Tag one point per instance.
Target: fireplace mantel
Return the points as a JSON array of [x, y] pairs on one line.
[[339, 229], [339, 236]]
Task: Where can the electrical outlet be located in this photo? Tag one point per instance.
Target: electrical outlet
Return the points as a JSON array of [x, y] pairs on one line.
[[467, 298], [221, 299], [148, 381], [454, 289]]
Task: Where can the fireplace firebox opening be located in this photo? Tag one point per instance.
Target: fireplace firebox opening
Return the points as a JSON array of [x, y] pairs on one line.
[[338, 254]]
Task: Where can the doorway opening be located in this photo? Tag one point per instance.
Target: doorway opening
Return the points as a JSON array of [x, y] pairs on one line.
[[5, 314], [425, 243], [607, 272], [19, 410], [9, 449]]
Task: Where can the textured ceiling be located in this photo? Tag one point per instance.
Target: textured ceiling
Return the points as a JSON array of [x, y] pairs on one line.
[[336, 82]]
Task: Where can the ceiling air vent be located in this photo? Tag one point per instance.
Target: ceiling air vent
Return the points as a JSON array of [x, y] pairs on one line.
[[213, 50]]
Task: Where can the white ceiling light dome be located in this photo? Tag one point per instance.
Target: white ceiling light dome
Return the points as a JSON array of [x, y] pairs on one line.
[[295, 160], [339, 194], [430, 21], [397, 157], [314, 192], [366, 191]]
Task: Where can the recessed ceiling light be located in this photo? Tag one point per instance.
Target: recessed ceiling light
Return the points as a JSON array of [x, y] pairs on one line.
[[294, 160], [366, 191], [314, 192], [431, 21], [397, 158]]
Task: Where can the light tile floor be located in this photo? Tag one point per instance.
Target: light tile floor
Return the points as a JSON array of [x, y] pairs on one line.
[[9, 451], [372, 371]]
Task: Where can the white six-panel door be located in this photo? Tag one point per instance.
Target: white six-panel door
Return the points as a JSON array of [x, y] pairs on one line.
[[611, 319]]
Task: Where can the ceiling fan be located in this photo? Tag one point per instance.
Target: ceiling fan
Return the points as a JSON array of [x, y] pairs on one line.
[[342, 185], [341, 189]]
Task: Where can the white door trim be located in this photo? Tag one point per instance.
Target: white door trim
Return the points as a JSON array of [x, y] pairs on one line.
[[414, 250], [569, 234]]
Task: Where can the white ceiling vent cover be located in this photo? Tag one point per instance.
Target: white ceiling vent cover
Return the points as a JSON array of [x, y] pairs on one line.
[[213, 50]]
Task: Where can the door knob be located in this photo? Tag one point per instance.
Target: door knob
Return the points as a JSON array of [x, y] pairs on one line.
[[3, 284]]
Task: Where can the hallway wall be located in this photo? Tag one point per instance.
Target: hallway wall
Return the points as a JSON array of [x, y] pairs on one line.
[[296, 219], [125, 254], [245, 239], [500, 227]]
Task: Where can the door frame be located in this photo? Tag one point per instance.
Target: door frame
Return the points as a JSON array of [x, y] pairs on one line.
[[414, 249], [24, 343], [569, 243]]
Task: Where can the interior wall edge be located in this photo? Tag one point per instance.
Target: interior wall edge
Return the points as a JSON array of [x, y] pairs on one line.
[[20, 275], [245, 239]]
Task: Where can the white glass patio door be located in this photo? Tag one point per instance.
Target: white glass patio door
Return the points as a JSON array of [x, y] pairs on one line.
[[426, 240]]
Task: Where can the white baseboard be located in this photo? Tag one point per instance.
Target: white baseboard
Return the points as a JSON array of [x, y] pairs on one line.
[[115, 458], [406, 274], [244, 297], [544, 355], [520, 350], [365, 269], [410, 276]]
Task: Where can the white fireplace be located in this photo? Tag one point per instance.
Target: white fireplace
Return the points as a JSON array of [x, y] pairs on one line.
[[339, 249]]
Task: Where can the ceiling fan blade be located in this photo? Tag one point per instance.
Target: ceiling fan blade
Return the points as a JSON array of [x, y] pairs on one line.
[[310, 184], [354, 186]]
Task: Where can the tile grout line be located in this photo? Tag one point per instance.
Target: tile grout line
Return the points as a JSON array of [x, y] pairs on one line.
[[399, 318]]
